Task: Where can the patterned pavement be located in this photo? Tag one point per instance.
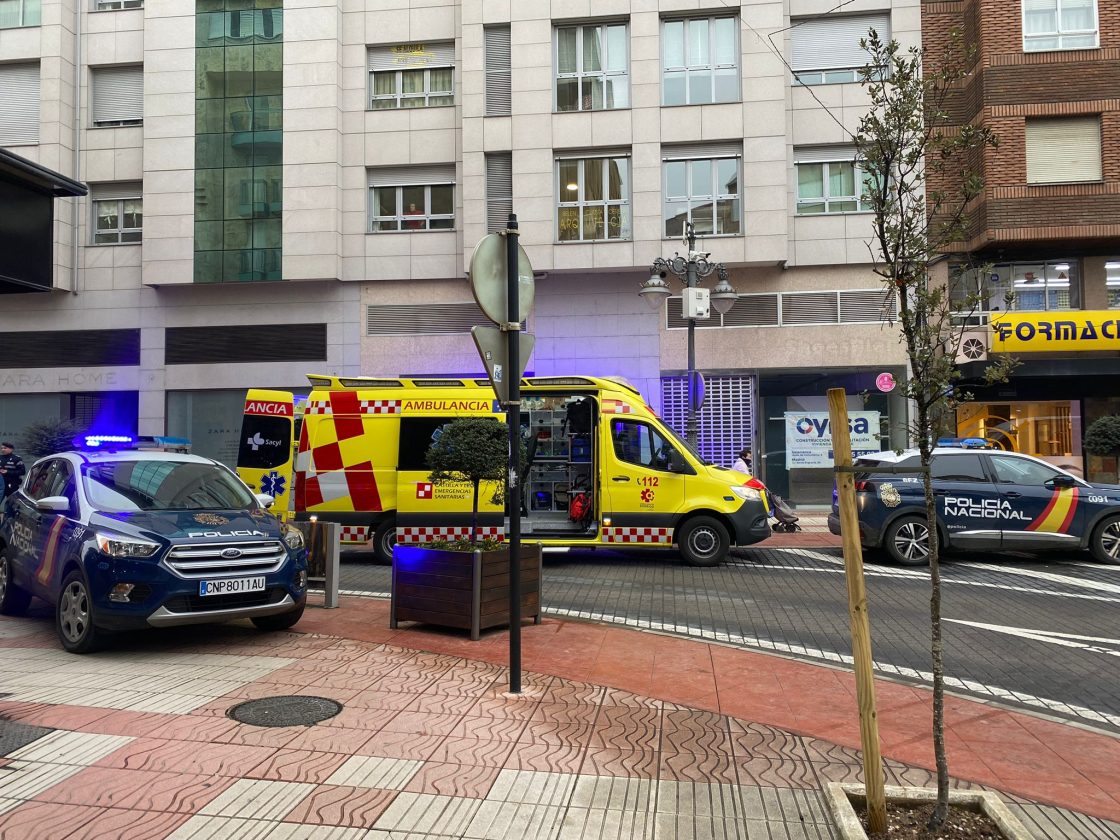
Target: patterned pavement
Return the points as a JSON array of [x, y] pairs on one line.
[[134, 743]]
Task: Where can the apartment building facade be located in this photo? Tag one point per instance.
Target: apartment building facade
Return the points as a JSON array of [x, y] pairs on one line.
[[278, 189], [1044, 77]]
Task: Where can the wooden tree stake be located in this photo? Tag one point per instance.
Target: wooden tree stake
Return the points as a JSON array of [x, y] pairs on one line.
[[857, 613]]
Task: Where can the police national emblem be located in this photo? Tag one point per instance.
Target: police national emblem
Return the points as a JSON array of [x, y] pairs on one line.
[[210, 519], [889, 495]]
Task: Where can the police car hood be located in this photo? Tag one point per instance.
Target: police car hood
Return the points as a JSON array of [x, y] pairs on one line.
[[1113, 489], [192, 526]]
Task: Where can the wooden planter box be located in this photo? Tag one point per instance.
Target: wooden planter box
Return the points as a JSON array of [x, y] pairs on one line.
[[469, 591]]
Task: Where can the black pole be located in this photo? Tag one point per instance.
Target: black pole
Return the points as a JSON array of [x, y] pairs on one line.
[[513, 418], [691, 282]]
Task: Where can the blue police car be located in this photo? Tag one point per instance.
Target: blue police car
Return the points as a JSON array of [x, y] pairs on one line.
[[985, 500], [121, 540]]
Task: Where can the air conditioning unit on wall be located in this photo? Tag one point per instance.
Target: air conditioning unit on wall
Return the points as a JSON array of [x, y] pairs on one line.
[[975, 342]]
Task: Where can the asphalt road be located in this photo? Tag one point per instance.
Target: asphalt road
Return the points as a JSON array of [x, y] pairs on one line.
[[1038, 632]]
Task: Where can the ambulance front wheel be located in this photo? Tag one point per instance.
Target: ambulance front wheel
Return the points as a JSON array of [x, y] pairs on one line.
[[1105, 544], [703, 541], [384, 538]]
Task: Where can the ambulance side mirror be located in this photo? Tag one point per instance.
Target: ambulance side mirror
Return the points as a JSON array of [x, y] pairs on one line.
[[678, 464]]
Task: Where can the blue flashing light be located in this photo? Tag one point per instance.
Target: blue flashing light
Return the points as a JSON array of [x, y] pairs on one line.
[[96, 441]]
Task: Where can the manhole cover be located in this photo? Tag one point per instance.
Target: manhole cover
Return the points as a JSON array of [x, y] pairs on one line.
[[291, 710]]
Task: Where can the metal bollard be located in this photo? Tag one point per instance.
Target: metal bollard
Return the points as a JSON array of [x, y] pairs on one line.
[[323, 556]]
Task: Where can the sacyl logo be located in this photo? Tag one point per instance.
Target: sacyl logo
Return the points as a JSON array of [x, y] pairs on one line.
[[256, 441]]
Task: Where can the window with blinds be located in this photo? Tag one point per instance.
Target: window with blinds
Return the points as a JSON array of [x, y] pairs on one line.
[[423, 319], [118, 213], [826, 49], [851, 306], [499, 190], [411, 75], [498, 70], [117, 96], [19, 104], [724, 424], [1063, 150], [412, 198], [15, 13]]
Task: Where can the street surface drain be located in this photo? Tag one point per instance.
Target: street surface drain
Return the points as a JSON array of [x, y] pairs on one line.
[[290, 710]]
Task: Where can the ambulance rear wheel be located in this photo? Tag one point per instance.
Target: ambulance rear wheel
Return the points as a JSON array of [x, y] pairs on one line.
[[1105, 544], [384, 538], [907, 541], [703, 541]]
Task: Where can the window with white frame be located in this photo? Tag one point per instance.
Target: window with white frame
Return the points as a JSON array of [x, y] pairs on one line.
[[700, 60], [830, 181], [1059, 25], [411, 75], [592, 67], [1063, 150], [110, 5], [412, 198], [701, 186], [593, 198], [1112, 282], [118, 95], [827, 51], [16, 13], [118, 213]]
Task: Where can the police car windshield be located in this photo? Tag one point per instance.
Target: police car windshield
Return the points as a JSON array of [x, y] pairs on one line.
[[121, 486]]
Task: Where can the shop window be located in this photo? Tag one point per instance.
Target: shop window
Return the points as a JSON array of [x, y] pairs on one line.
[[1112, 282], [593, 199], [1042, 429], [1025, 287]]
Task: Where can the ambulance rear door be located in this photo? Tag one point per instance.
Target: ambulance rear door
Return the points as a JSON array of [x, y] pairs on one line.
[[264, 455]]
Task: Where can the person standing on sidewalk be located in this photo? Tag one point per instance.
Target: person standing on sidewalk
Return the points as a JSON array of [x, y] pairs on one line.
[[11, 469], [743, 463]]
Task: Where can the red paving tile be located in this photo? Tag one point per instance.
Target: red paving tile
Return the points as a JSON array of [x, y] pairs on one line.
[[115, 824], [46, 821], [453, 780], [141, 790], [186, 757]]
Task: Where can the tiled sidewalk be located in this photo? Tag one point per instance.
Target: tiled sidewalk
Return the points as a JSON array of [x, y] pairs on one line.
[[617, 734]]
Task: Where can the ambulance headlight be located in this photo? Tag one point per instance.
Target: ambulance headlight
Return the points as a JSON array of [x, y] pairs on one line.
[[748, 494], [117, 546], [293, 537]]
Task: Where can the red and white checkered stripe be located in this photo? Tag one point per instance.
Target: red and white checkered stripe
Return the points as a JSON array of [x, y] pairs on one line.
[[318, 408], [638, 535], [354, 534], [420, 534], [617, 407], [380, 406]]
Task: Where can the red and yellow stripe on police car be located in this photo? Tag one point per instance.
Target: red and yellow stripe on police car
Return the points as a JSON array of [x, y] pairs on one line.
[[50, 553], [1058, 515]]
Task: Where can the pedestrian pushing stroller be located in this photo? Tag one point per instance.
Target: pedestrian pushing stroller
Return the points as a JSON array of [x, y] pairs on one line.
[[785, 520]]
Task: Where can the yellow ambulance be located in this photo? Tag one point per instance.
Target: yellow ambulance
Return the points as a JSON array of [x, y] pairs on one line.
[[602, 468]]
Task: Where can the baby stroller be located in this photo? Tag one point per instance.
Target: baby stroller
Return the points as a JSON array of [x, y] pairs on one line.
[[785, 520]]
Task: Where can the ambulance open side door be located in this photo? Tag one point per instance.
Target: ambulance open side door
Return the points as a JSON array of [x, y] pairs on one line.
[[265, 452]]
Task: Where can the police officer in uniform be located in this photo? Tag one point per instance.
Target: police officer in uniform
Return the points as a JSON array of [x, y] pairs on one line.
[[11, 469]]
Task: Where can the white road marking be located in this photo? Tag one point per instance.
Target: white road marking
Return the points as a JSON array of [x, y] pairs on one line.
[[1050, 576], [1071, 640]]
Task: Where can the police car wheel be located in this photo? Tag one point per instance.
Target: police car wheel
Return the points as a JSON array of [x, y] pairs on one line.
[[74, 616], [272, 623], [703, 541], [13, 600], [907, 541], [384, 538], [1105, 544]]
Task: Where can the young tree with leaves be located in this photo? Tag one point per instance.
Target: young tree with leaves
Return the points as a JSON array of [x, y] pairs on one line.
[[472, 449], [920, 178]]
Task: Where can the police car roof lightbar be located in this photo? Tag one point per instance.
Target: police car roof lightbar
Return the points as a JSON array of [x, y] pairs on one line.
[[964, 443], [116, 443]]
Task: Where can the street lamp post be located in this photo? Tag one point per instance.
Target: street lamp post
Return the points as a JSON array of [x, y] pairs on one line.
[[691, 268]]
